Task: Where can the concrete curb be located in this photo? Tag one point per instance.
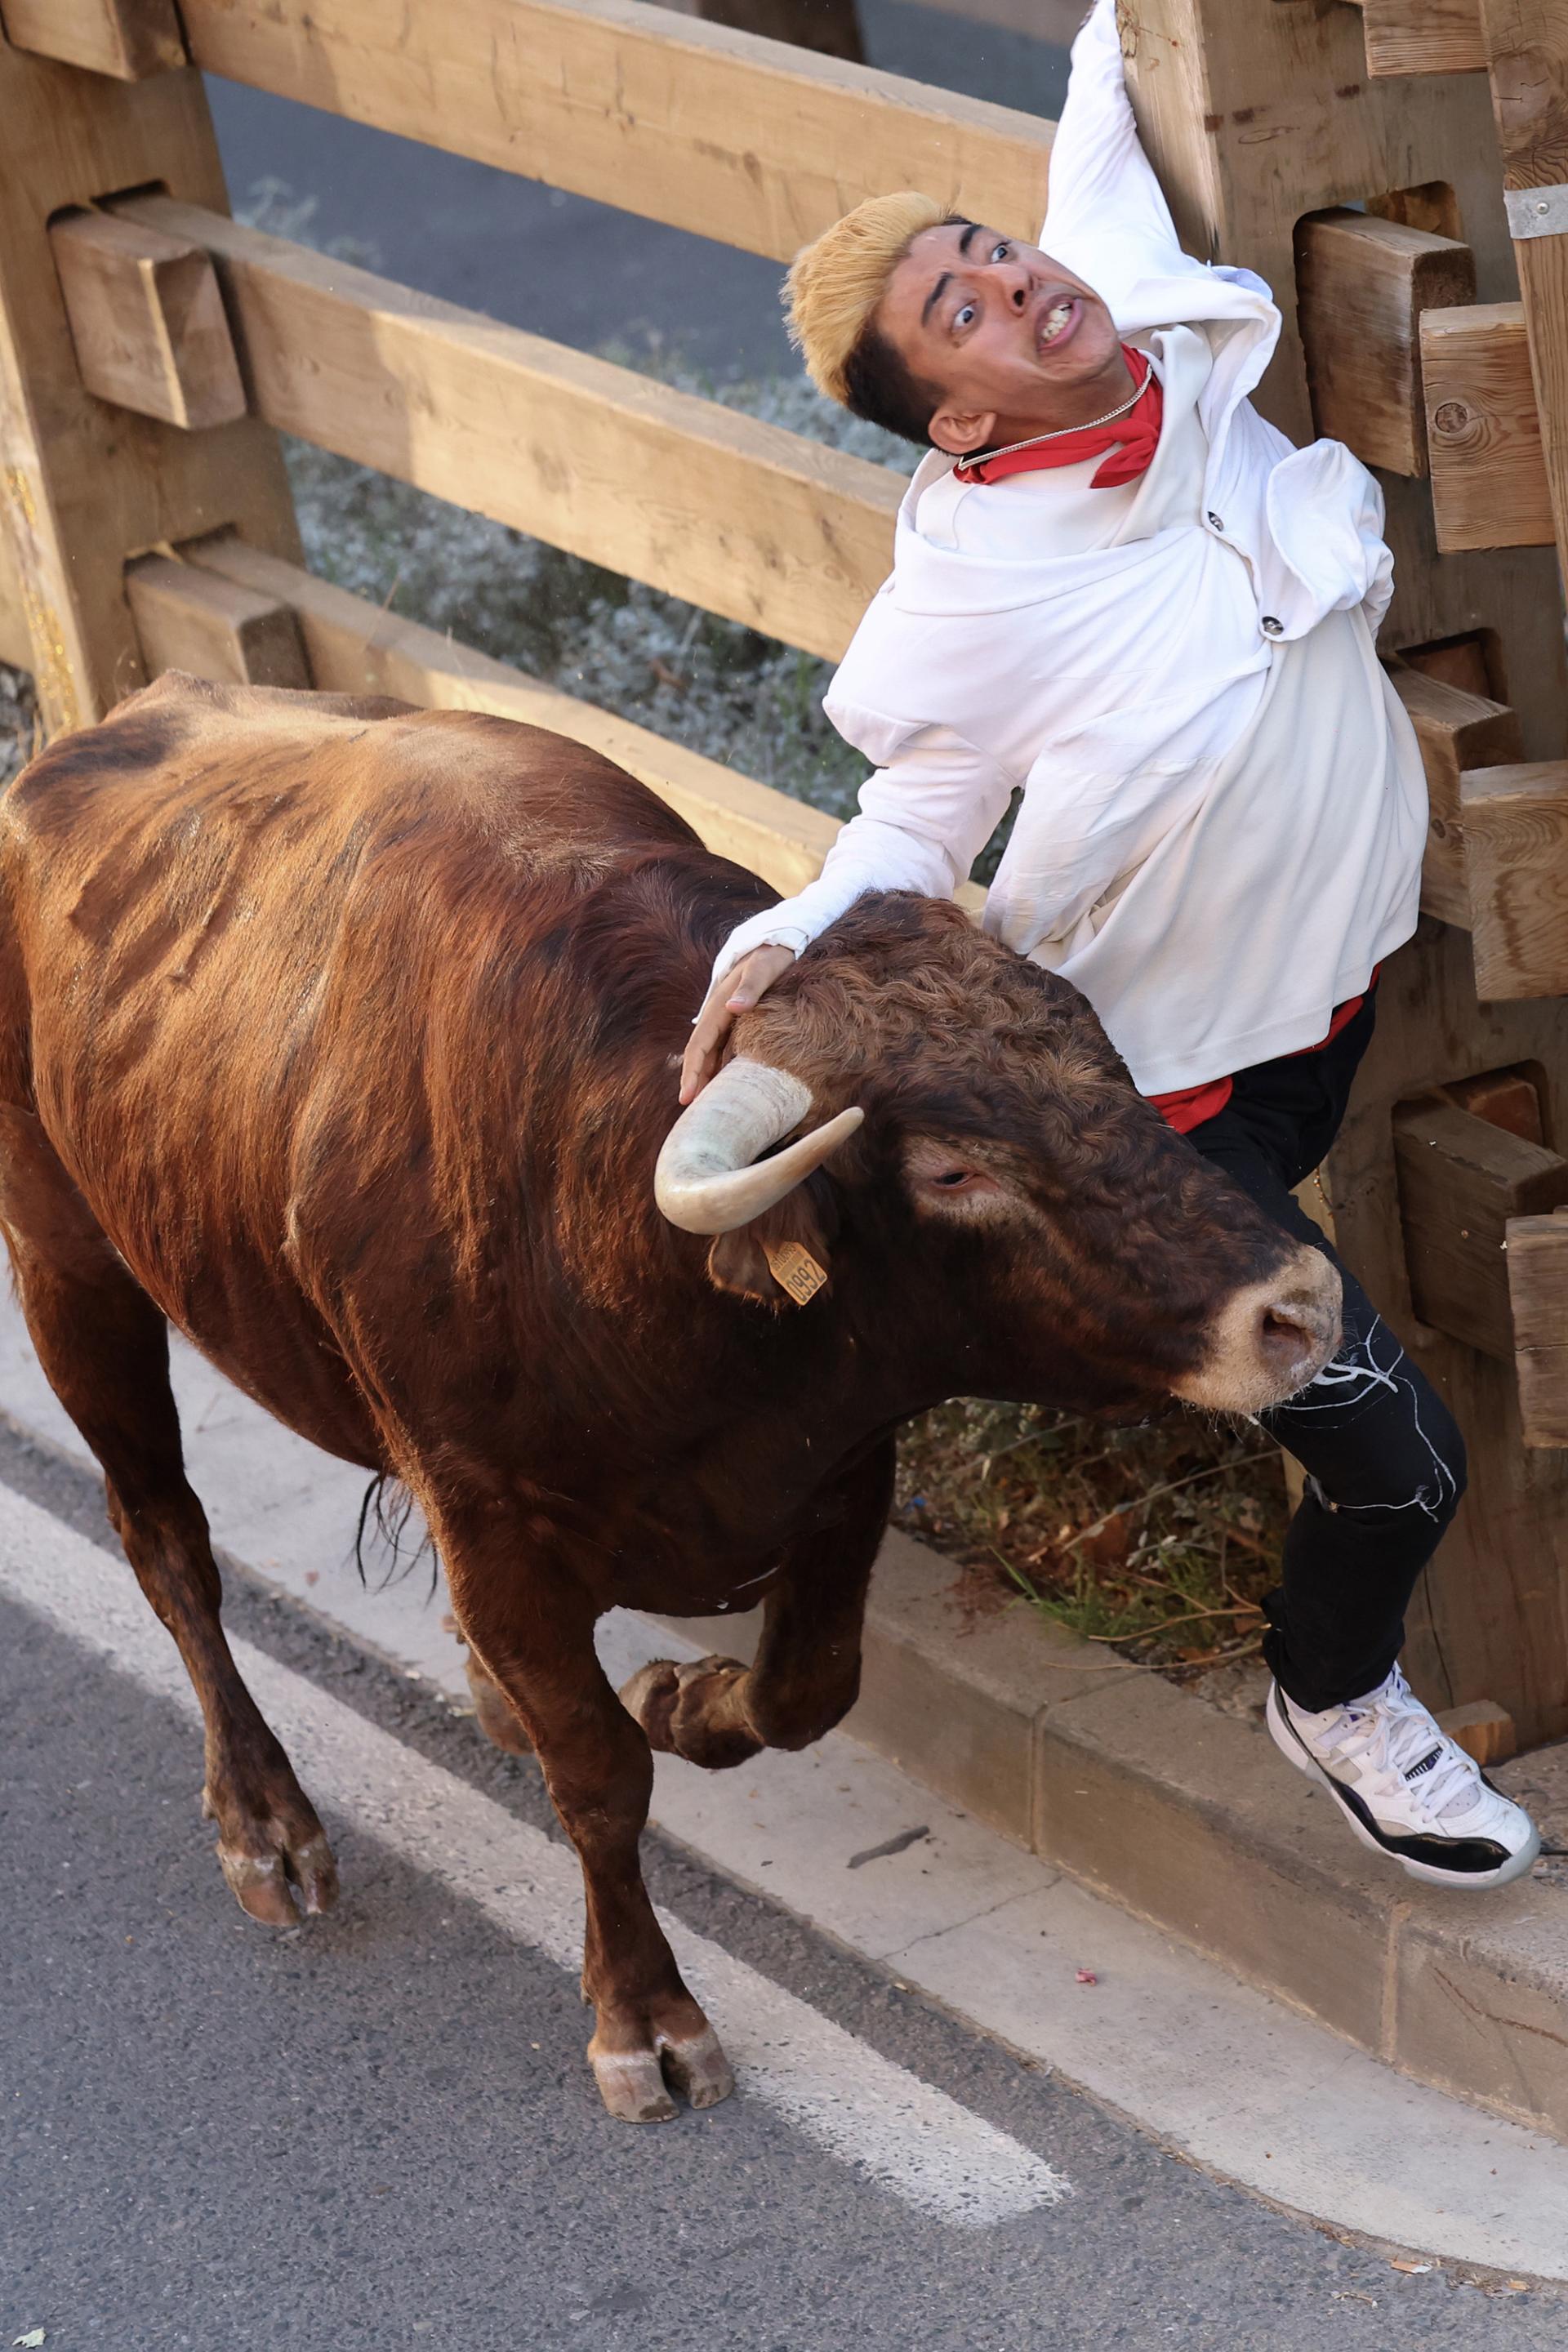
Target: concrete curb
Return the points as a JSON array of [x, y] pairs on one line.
[[1187, 1817]]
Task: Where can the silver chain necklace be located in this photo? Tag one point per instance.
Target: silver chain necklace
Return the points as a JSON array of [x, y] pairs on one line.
[[989, 456]]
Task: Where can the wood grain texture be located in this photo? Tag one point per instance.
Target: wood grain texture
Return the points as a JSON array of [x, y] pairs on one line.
[[127, 38], [1506, 1099], [1515, 826], [1256, 114], [83, 486], [782, 534], [1455, 731], [212, 627], [1460, 1180], [147, 321], [353, 646], [16, 645], [1527, 60], [1423, 37], [1489, 471], [745, 140], [1361, 285], [1538, 1284]]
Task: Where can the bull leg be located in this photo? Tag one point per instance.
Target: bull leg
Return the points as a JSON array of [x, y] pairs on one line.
[[533, 1636], [716, 1712], [105, 1349]]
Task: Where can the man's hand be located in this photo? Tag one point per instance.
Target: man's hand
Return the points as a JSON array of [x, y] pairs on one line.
[[738, 990]]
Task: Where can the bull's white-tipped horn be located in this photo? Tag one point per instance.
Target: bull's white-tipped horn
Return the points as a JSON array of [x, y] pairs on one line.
[[706, 1181]]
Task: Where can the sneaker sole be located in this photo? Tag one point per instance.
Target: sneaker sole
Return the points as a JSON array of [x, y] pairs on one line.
[[1291, 1749]]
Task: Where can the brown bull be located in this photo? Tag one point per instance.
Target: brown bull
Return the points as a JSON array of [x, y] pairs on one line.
[[345, 1038]]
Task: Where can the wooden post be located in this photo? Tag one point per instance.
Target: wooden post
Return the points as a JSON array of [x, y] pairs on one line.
[[1363, 284], [1527, 57], [85, 485], [1255, 117], [1483, 430]]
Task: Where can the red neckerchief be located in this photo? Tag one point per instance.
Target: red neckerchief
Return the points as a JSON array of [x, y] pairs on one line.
[[1134, 438]]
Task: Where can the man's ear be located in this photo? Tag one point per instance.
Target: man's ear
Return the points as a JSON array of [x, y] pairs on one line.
[[960, 431], [804, 1220]]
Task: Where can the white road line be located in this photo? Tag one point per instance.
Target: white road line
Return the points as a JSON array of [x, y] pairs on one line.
[[861, 2108]]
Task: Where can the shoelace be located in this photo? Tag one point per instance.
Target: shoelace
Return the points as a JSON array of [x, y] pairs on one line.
[[1398, 1733]]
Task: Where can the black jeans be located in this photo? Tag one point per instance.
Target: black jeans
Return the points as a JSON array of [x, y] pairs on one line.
[[1385, 1461]]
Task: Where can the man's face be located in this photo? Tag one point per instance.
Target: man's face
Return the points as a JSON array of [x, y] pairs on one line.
[[1016, 343]]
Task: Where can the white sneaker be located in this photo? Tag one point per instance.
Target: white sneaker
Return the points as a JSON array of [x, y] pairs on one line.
[[1406, 1788]]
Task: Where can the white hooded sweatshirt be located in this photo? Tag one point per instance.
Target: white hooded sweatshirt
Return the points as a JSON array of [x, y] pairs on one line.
[[1224, 809]]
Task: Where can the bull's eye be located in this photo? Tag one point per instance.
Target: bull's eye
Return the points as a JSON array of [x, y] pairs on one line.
[[953, 1180]]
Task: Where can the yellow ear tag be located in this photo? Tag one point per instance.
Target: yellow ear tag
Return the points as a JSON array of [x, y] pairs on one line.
[[796, 1270]]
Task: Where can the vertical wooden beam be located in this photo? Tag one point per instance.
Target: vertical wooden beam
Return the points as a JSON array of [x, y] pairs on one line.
[[1255, 115], [127, 38], [84, 486], [1527, 58], [1538, 1284], [1514, 822]]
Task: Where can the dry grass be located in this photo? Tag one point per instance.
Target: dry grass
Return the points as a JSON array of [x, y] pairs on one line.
[[1158, 1540]]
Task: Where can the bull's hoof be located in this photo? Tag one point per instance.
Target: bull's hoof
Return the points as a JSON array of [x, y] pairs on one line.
[[496, 1717], [693, 1711], [278, 1865], [635, 2084]]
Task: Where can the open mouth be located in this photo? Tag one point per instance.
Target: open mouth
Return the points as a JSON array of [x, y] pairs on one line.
[[1057, 322]]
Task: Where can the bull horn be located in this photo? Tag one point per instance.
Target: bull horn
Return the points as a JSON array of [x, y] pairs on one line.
[[706, 1181]]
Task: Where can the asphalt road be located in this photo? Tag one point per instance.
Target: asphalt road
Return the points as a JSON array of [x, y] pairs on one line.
[[582, 273], [379, 2130]]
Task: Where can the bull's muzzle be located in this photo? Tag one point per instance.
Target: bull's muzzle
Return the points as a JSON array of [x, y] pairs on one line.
[[1270, 1339]]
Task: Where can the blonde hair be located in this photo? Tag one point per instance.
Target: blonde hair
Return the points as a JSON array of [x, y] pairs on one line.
[[836, 283]]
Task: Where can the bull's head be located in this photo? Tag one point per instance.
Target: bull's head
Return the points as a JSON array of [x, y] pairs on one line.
[[993, 1166]]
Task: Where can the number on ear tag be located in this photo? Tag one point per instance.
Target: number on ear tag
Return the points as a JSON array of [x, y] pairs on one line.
[[796, 1270]]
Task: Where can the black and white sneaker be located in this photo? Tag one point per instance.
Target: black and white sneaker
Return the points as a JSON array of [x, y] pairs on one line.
[[1406, 1788]]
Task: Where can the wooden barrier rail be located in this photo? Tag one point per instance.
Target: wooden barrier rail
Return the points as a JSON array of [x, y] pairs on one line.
[[782, 534], [750, 142]]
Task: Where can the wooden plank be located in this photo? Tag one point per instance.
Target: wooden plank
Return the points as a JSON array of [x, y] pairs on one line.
[[353, 646], [147, 321], [1483, 1729], [1489, 471], [1527, 58], [1362, 284], [1506, 1099], [1515, 826], [127, 38], [16, 645], [744, 139], [782, 534], [1538, 1286], [83, 486], [1460, 1180], [213, 627], [1424, 37], [1455, 731]]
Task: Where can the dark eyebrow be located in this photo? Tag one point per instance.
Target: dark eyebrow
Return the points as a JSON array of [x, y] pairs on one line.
[[935, 295], [971, 230]]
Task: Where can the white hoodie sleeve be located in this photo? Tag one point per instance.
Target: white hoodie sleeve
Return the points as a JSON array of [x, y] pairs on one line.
[[1107, 218], [924, 820]]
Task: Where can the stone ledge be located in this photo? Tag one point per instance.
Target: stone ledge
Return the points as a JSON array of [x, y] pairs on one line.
[[1190, 1818]]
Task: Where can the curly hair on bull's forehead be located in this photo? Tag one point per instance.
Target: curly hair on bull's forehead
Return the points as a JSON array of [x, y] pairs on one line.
[[901, 978]]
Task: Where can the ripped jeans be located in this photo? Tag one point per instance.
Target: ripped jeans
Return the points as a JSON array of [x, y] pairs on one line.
[[1384, 1460]]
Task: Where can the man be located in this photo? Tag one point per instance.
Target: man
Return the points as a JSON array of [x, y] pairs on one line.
[[1119, 591]]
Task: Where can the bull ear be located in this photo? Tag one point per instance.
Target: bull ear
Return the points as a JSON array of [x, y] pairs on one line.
[[806, 1218]]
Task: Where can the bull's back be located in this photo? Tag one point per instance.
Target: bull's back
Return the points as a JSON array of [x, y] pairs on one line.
[[250, 962]]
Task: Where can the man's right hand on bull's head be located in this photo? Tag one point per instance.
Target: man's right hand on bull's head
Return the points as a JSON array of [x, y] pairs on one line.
[[734, 992]]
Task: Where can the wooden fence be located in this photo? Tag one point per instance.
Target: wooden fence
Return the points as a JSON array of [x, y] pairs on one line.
[[1377, 164]]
